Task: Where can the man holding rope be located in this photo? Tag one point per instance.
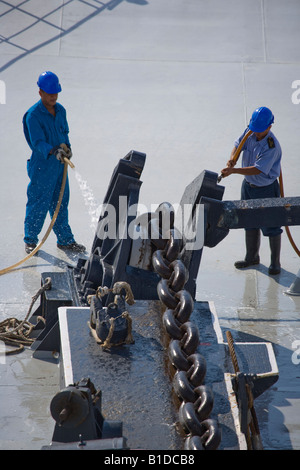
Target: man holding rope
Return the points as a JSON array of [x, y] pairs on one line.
[[260, 167], [46, 131]]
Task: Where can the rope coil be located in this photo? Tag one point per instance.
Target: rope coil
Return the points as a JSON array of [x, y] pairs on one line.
[[14, 332]]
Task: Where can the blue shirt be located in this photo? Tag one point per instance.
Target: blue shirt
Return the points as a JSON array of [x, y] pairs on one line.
[[43, 131], [264, 154]]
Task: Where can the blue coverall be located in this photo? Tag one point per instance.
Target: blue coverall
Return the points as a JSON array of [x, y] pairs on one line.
[[43, 132], [264, 154]]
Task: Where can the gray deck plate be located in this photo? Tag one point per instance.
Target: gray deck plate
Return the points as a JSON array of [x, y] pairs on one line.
[[136, 380]]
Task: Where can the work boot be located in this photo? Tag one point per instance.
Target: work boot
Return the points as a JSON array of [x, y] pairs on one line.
[[252, 238], [29, 247], [275, 245], [72, 247]]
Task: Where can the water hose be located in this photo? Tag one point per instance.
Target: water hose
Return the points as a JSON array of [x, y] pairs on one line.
[[235, 159], [287, 229], [238, 151], [53, 220]]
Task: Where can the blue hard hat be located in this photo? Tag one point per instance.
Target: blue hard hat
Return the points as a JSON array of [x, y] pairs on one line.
[[49, 83], [261, 119]]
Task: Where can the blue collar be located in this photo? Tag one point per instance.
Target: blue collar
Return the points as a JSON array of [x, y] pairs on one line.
[[45, 110]]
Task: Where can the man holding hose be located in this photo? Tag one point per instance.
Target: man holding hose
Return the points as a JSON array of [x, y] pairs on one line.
[[46, 131], [260, 168]]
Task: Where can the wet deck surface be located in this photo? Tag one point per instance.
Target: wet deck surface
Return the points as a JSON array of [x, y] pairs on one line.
[[134, 381], [177, 81]]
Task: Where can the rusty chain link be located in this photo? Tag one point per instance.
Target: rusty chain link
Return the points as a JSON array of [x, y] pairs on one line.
[[203, 433]]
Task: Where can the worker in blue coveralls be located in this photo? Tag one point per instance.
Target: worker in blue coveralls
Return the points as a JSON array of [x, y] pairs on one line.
[[260, 167], [46, 129]]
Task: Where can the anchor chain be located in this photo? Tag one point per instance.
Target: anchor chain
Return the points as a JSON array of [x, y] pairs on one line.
[[203, 433]]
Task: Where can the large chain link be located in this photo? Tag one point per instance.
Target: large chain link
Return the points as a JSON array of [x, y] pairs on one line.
[[196, 398]]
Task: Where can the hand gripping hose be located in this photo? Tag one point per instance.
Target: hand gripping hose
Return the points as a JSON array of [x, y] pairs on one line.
[[62, 189], [235, 159], [238, 151]]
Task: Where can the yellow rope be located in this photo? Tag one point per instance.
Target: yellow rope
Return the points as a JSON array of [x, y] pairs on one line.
[[62, 189], [129, 338], [107, 344], [14, 332], [116, 289]]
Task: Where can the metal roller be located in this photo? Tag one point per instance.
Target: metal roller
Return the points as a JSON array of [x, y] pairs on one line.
[[69, 407]]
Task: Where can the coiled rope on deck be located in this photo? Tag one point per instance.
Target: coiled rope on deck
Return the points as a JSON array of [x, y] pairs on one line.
[[15, 332]]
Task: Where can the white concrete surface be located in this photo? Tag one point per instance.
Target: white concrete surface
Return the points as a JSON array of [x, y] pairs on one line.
[[178, 80]]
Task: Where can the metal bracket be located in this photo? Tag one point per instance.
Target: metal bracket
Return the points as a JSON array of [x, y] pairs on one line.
[[47, 339], [223, 216]]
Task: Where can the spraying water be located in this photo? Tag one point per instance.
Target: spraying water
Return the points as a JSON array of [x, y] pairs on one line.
[[93, 206]]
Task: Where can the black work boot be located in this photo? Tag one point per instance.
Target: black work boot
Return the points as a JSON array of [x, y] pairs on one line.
[[275, 245], [29, 247], [74, 246], [252, 249]]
